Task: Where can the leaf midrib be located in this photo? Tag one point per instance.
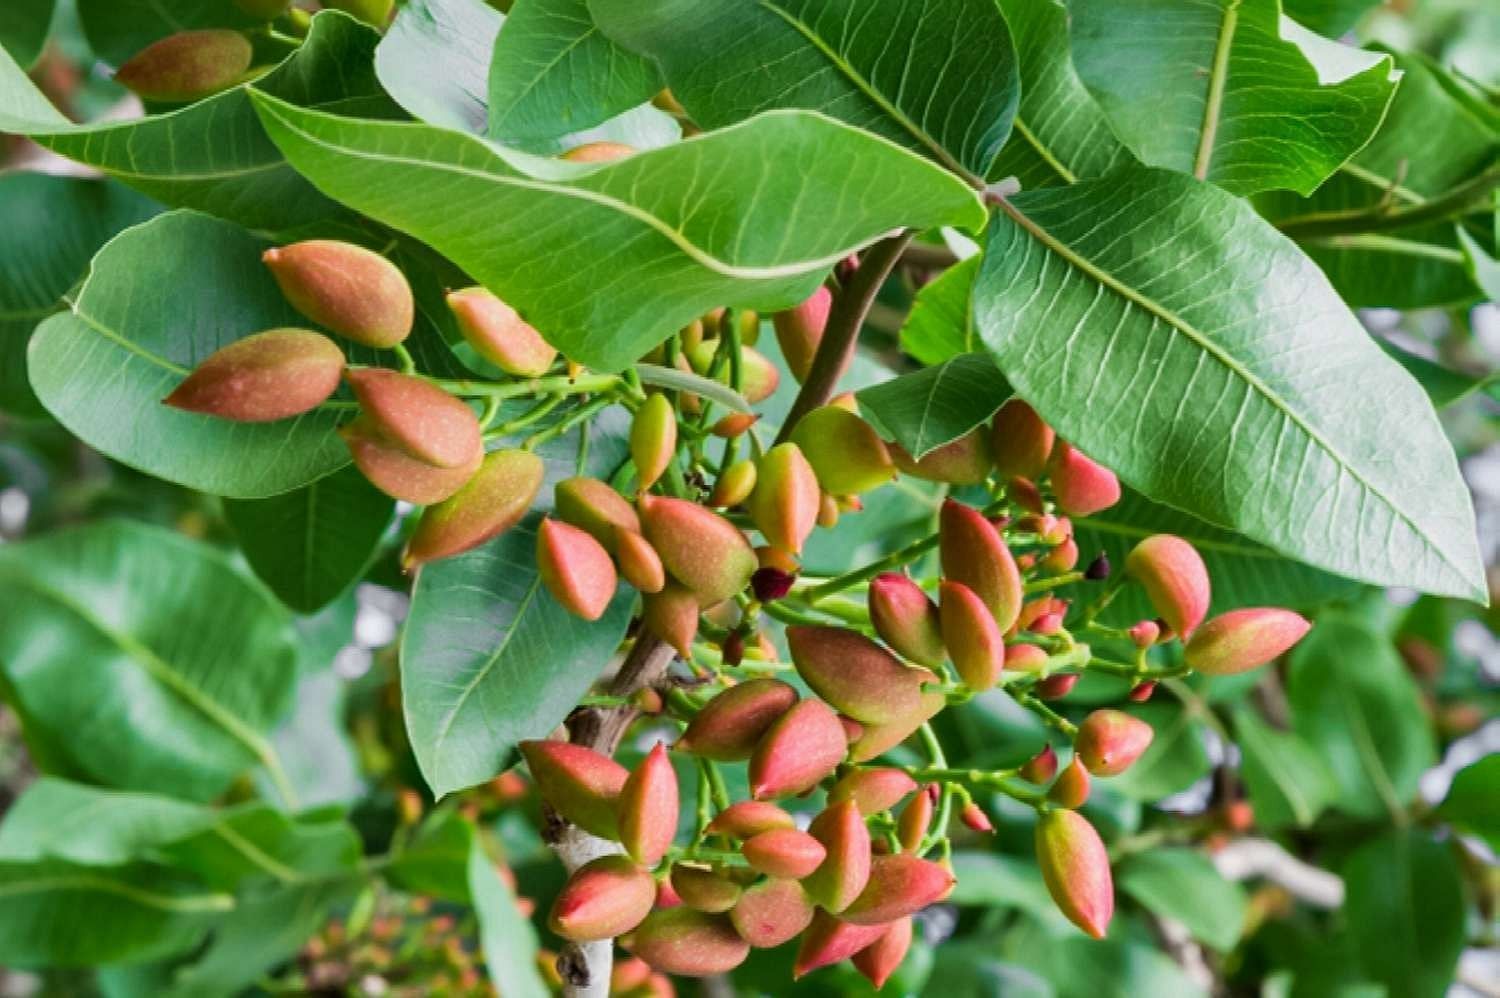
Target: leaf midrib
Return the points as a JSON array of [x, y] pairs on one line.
[[1218, 78], [178, 904], [1213, 350]]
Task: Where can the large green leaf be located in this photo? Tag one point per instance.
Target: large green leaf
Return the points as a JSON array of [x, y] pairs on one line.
[[607, 260], [1355, 704], [1243, 573], [1229, 90], [505, 935], [459, 36], [213, 155], [1182, 884], [938, 76], [145, 655], [1405, 909], [77, 217], [1060, 134], [310, 544], [55, 914], [488, 657], [940, 324], [1328, 17], [1414, 266], [161, 297], [1288, 781], [23, 28], [555, 72], [118, 29], [1170, 333], [936, 405], [1473, 801]]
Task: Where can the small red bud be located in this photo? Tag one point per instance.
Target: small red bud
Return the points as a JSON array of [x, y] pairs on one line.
[[973, 816], [1072, 786], [973, 552], [1041, 767], [846, 870], [353, 291], [799, 330], [1048, 623], [1098, 569], [602, 899], [689, 943], [581, 785], [973, 639], [1241, 640], [1075, 867], [575, 569], [648, 808], [784, 852], [771, 584], [733, 649], [748, 818], [854, 674], [1145, 633], [846, 453], [772, 912], [899, 885], [653, 438], [628, 974], [648, 701], [873, 790], [729, 726], [906, 619], [1027, 659], [499, 335], [784, 503], [879, 960], [187, 66], [264, 377], [1141, 692], [1061, 558], [734, 424], [1056, 687], [1175, 580], [1083, 487], [1110, 741], [802, 747]]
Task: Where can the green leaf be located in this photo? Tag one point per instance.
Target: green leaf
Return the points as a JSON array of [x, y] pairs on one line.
[[1174, 761], [1404, 903], [687, 381], [1416, 266], [1483, 267], [1243, 572], [940, 325], [118, 29], [1355, 704], [488, 657], [505, 935], [926, 409], [146, 655], [1443, 385], [995, 880], [77, 216], [55, 914], [23, 28], [1195, 351], [459, 36], [1473, 801], [555, 72], [159, 298], [1229, 91], [1077, 967], [1060, 133], [214, 156], [937, 76], [436, 860], [1328, 17], [671, 244], [1288, 781], [1183, 884], [310, 544]]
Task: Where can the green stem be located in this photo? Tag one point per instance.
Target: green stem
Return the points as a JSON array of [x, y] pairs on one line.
[[582, 414], [404, 358], [1049, 717], [1458, 200], [584, 384], [1056, 582]]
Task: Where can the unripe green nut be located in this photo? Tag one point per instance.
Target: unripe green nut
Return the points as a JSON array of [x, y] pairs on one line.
[[759, 377], [873, 790], [689, 943], [417, 416], [856, 675], [879, 960], [1075, 867], [784, 504], [1241, 640], [899, 885], [595, 508], [846, 453], [1109, 741], [730, 725], [965, 461], [799, 330], [800, 748], [580, 784], [499, 335], [648, 809], [187, 66], [701, 549], [1082, 486], [784, 852], [603, 898], [748, 818], [639, 563], [973, 552], [771, 913], [829, 940], [575, 569], [916, 816], [396, 473], [703, 889], [672, 615], [653, 438], [974, 641], [1020, 443], [353, 291], [1175, 579], [1071, 788], [906, 619], [735, 485], [845, 871], [490, 503], [264, 377]]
